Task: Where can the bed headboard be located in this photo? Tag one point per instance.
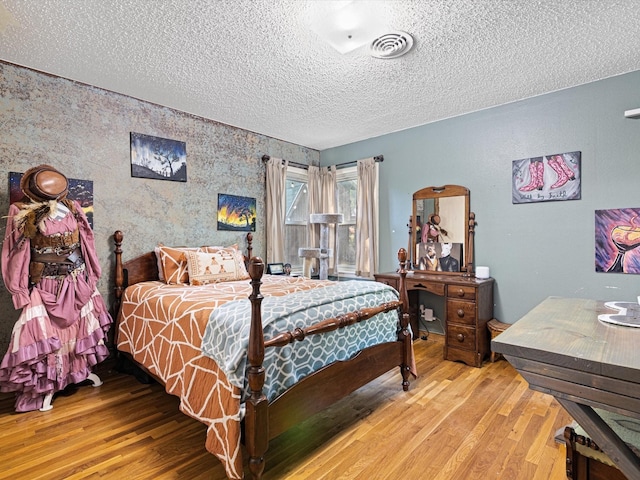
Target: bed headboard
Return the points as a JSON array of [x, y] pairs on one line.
[[145, 267]]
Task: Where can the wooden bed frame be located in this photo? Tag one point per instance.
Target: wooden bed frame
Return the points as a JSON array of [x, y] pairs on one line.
[[265, 420]]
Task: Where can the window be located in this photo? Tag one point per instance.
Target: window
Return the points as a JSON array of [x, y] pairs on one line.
[[296, 217], [347, 193]]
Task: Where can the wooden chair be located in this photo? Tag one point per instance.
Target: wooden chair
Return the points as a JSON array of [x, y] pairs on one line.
[[585, 460]]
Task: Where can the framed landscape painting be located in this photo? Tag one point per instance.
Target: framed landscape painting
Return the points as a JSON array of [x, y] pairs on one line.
[[158, 158], [236, 213]]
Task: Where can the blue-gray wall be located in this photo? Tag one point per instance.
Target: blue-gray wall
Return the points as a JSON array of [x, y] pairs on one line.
[[534, 250]]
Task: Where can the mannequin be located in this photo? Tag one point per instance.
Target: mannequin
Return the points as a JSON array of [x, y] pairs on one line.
[[50, 267], [432, 231]]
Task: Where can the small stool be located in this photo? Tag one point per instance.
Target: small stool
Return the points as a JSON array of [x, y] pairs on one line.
[[496, 328]]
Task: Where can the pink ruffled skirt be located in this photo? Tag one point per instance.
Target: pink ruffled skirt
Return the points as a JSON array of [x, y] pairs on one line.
[[48, 352]]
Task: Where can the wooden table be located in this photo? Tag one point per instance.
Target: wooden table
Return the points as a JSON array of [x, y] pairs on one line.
[[561, 348]]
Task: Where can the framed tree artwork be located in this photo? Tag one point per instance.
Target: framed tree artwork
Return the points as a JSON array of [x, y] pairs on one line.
[[158, 158], [236, 213]]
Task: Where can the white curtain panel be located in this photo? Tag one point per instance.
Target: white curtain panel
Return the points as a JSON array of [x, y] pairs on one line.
[[330, 205], [367, 218], [276, 206], [315, 205], [322, 199]]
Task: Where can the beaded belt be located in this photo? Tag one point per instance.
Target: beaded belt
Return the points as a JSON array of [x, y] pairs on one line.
[[60, 269], [58, 255], [52, 241]]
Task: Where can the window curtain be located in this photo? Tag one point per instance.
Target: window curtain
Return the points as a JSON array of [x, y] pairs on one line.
[[315, 205], [275, 206], [367, 218], [322, 199], [330, 205]]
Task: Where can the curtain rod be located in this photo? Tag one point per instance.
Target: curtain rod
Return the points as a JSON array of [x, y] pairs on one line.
[[377, 158]]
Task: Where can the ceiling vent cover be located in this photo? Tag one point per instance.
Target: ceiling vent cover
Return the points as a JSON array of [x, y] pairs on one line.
[[391, 45]]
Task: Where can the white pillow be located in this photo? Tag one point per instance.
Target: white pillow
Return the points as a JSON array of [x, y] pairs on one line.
[[223, 265]]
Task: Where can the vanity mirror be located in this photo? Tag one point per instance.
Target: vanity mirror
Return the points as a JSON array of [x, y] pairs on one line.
[[441, 231]]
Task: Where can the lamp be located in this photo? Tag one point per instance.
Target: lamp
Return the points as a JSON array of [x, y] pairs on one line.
[[351, 26]]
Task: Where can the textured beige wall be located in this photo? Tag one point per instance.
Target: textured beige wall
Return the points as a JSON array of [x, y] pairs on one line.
[[85, 133]]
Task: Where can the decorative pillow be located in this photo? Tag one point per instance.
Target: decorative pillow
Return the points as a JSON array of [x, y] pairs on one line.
[[172, 263], [242, 267], [213, 267], [159, 261]]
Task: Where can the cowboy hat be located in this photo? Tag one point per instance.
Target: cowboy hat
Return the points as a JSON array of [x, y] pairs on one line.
[[44, 183]]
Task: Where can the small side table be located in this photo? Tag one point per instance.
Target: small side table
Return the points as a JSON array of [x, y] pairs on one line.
[[496, 328]]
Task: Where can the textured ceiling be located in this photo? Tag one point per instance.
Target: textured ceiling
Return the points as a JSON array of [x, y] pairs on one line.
[[256, 64]]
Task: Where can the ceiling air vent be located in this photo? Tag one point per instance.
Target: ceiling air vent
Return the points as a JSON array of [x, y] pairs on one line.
[[391, 45]]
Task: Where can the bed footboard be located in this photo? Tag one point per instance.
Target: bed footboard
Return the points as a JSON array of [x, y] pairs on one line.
[[264, 421]]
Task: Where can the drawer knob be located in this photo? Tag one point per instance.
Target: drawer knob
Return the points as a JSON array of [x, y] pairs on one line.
[[460, 337], [460, 292], [460, 313]]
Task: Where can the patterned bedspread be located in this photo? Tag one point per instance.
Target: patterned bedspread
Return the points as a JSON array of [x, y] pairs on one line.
[[226, 338], [162, 327]]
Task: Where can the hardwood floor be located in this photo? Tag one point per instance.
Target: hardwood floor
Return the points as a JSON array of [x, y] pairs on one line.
[[456, 422]]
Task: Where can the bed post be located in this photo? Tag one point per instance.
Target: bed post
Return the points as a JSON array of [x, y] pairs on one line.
[[119, 274], [404, 335], [256, 425], [249, 245]]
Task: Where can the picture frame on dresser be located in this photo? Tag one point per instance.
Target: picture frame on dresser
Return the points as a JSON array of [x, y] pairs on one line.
[[275, 268], [440, 256]]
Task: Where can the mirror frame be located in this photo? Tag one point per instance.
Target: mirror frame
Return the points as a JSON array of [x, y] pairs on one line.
[[435, 193]]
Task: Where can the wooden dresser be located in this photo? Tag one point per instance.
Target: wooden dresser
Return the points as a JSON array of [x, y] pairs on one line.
[[468, 306]]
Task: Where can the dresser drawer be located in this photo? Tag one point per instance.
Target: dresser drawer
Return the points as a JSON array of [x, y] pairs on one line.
[[392, 282], [461, 312], [461, 291], [459, 336], [421, 284]]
